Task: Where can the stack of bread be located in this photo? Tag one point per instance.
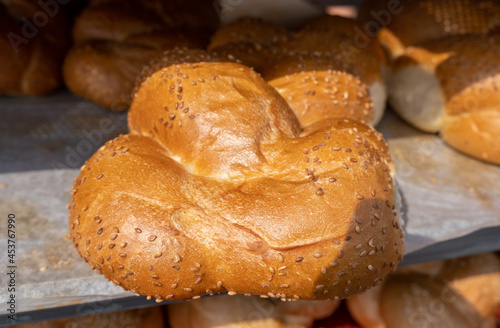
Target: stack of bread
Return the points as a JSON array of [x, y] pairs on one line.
[[444, 75]]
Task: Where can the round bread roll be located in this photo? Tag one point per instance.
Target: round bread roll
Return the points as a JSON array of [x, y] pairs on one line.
[[442, 86], [458, 293], [414, 22], [249, 30], [140, 318], [220, 190], [243, 311], [31, 55], [316, 86], [115, 40]]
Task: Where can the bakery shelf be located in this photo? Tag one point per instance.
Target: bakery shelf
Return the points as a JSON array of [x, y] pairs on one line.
[[451, 202]]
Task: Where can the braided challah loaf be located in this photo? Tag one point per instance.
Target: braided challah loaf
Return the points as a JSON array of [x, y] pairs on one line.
[[217, 188]]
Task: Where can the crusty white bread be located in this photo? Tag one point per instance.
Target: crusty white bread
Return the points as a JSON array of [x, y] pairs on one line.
[[218, 189], [451, 86]]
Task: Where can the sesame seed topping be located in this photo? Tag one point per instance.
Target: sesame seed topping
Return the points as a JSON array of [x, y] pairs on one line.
[[285, 286], [280, 257], [138, 230], [151, 238], [317, 255], [188, 289], [299, 259], [370, 242], [271, 269], [370, 267], [231, 293], [219, 284], [333, 264], [99, 176]]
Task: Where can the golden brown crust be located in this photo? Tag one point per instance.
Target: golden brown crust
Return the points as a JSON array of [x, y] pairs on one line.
[[462, 292], [165, 224], [476, 134], [177, 56], [415, 22], [243, 311], [249, 29], [140, 318], [317, 86]]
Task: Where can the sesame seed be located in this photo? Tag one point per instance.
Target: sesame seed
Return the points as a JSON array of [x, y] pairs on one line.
[[219, 284], [341, 254], [282, 268], [157, 255], [151, 238], [281, 258], [320, 286], [317, 255], [271, 269], [357, 229], [122, 255], [333, 264], [188, 289], [370, 242], [114, 236], [231, 293], [177, 258], [197, 281], [299, 259], [138, 230], [323, 270], [363, 253], [320, 191], [285, 286], [99, 176]]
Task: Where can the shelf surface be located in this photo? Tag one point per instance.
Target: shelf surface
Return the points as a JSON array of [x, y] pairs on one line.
[[451, 202]]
